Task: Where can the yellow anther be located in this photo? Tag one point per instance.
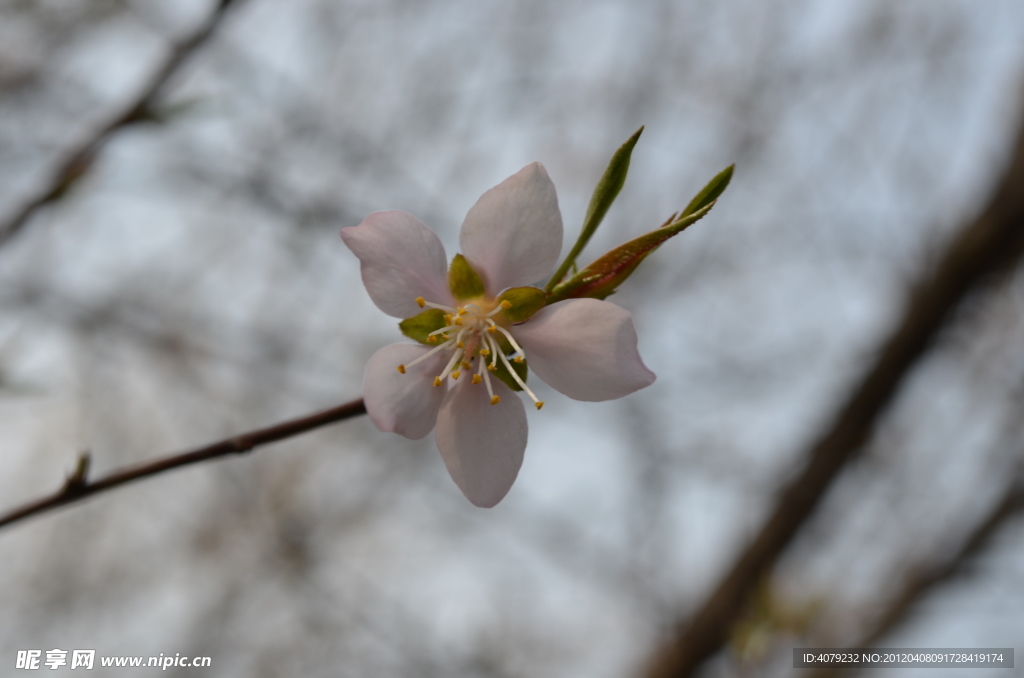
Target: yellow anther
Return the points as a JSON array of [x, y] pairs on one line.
[[495, 400], [460, 344], [401, 369], [492, 367], [539, 404], [477, 378], [463, 311], [432, 339], [437, 381], [492, 329], [421, 301], [506, 304], [517, 359], [448, 318], [456, 374], [485, 352], [458, 320], [465, 365]]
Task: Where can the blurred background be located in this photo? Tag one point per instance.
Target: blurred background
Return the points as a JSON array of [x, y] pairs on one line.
[[190, 284]]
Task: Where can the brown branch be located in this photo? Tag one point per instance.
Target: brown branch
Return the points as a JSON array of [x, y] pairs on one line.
[[988, 245], [140, 108], [925, 578], [78, 487]]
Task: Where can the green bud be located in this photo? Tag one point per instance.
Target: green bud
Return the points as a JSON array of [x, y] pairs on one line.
[[709, 194], [601, 278], [605, 192]]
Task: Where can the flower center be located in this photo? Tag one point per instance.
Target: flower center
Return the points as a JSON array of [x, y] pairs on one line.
[[471, 334]]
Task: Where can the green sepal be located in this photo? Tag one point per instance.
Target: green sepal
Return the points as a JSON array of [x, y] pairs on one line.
[[525, 302], [602, 277], [464, 282], [501, 372], [605, 192], [709, 193], [419, 327]]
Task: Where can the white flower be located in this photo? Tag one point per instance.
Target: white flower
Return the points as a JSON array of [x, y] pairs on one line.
[[512, 237]]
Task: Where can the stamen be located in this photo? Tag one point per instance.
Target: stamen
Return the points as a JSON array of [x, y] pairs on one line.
[[511, 340], [504, 305], [495, 349], [490, 391], [461, 336], [469, 333], [456, 357], [429, 353], [446, 309], [519, 380], [442, 331], [481, 365]]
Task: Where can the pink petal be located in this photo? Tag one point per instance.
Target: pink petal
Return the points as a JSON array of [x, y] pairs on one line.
[[482, 444], [585, 348], [513, 234], [406, 404], [401, 259]]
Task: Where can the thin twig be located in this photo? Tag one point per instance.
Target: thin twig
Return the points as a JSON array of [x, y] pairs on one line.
[[929, 576], [78, 487], [140, 108], [990, 244]]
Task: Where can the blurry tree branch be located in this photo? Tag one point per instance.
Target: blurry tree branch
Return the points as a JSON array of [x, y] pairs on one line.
[[78, 486], [140, 321], [988, 245], [938, 570], [139, 109]]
